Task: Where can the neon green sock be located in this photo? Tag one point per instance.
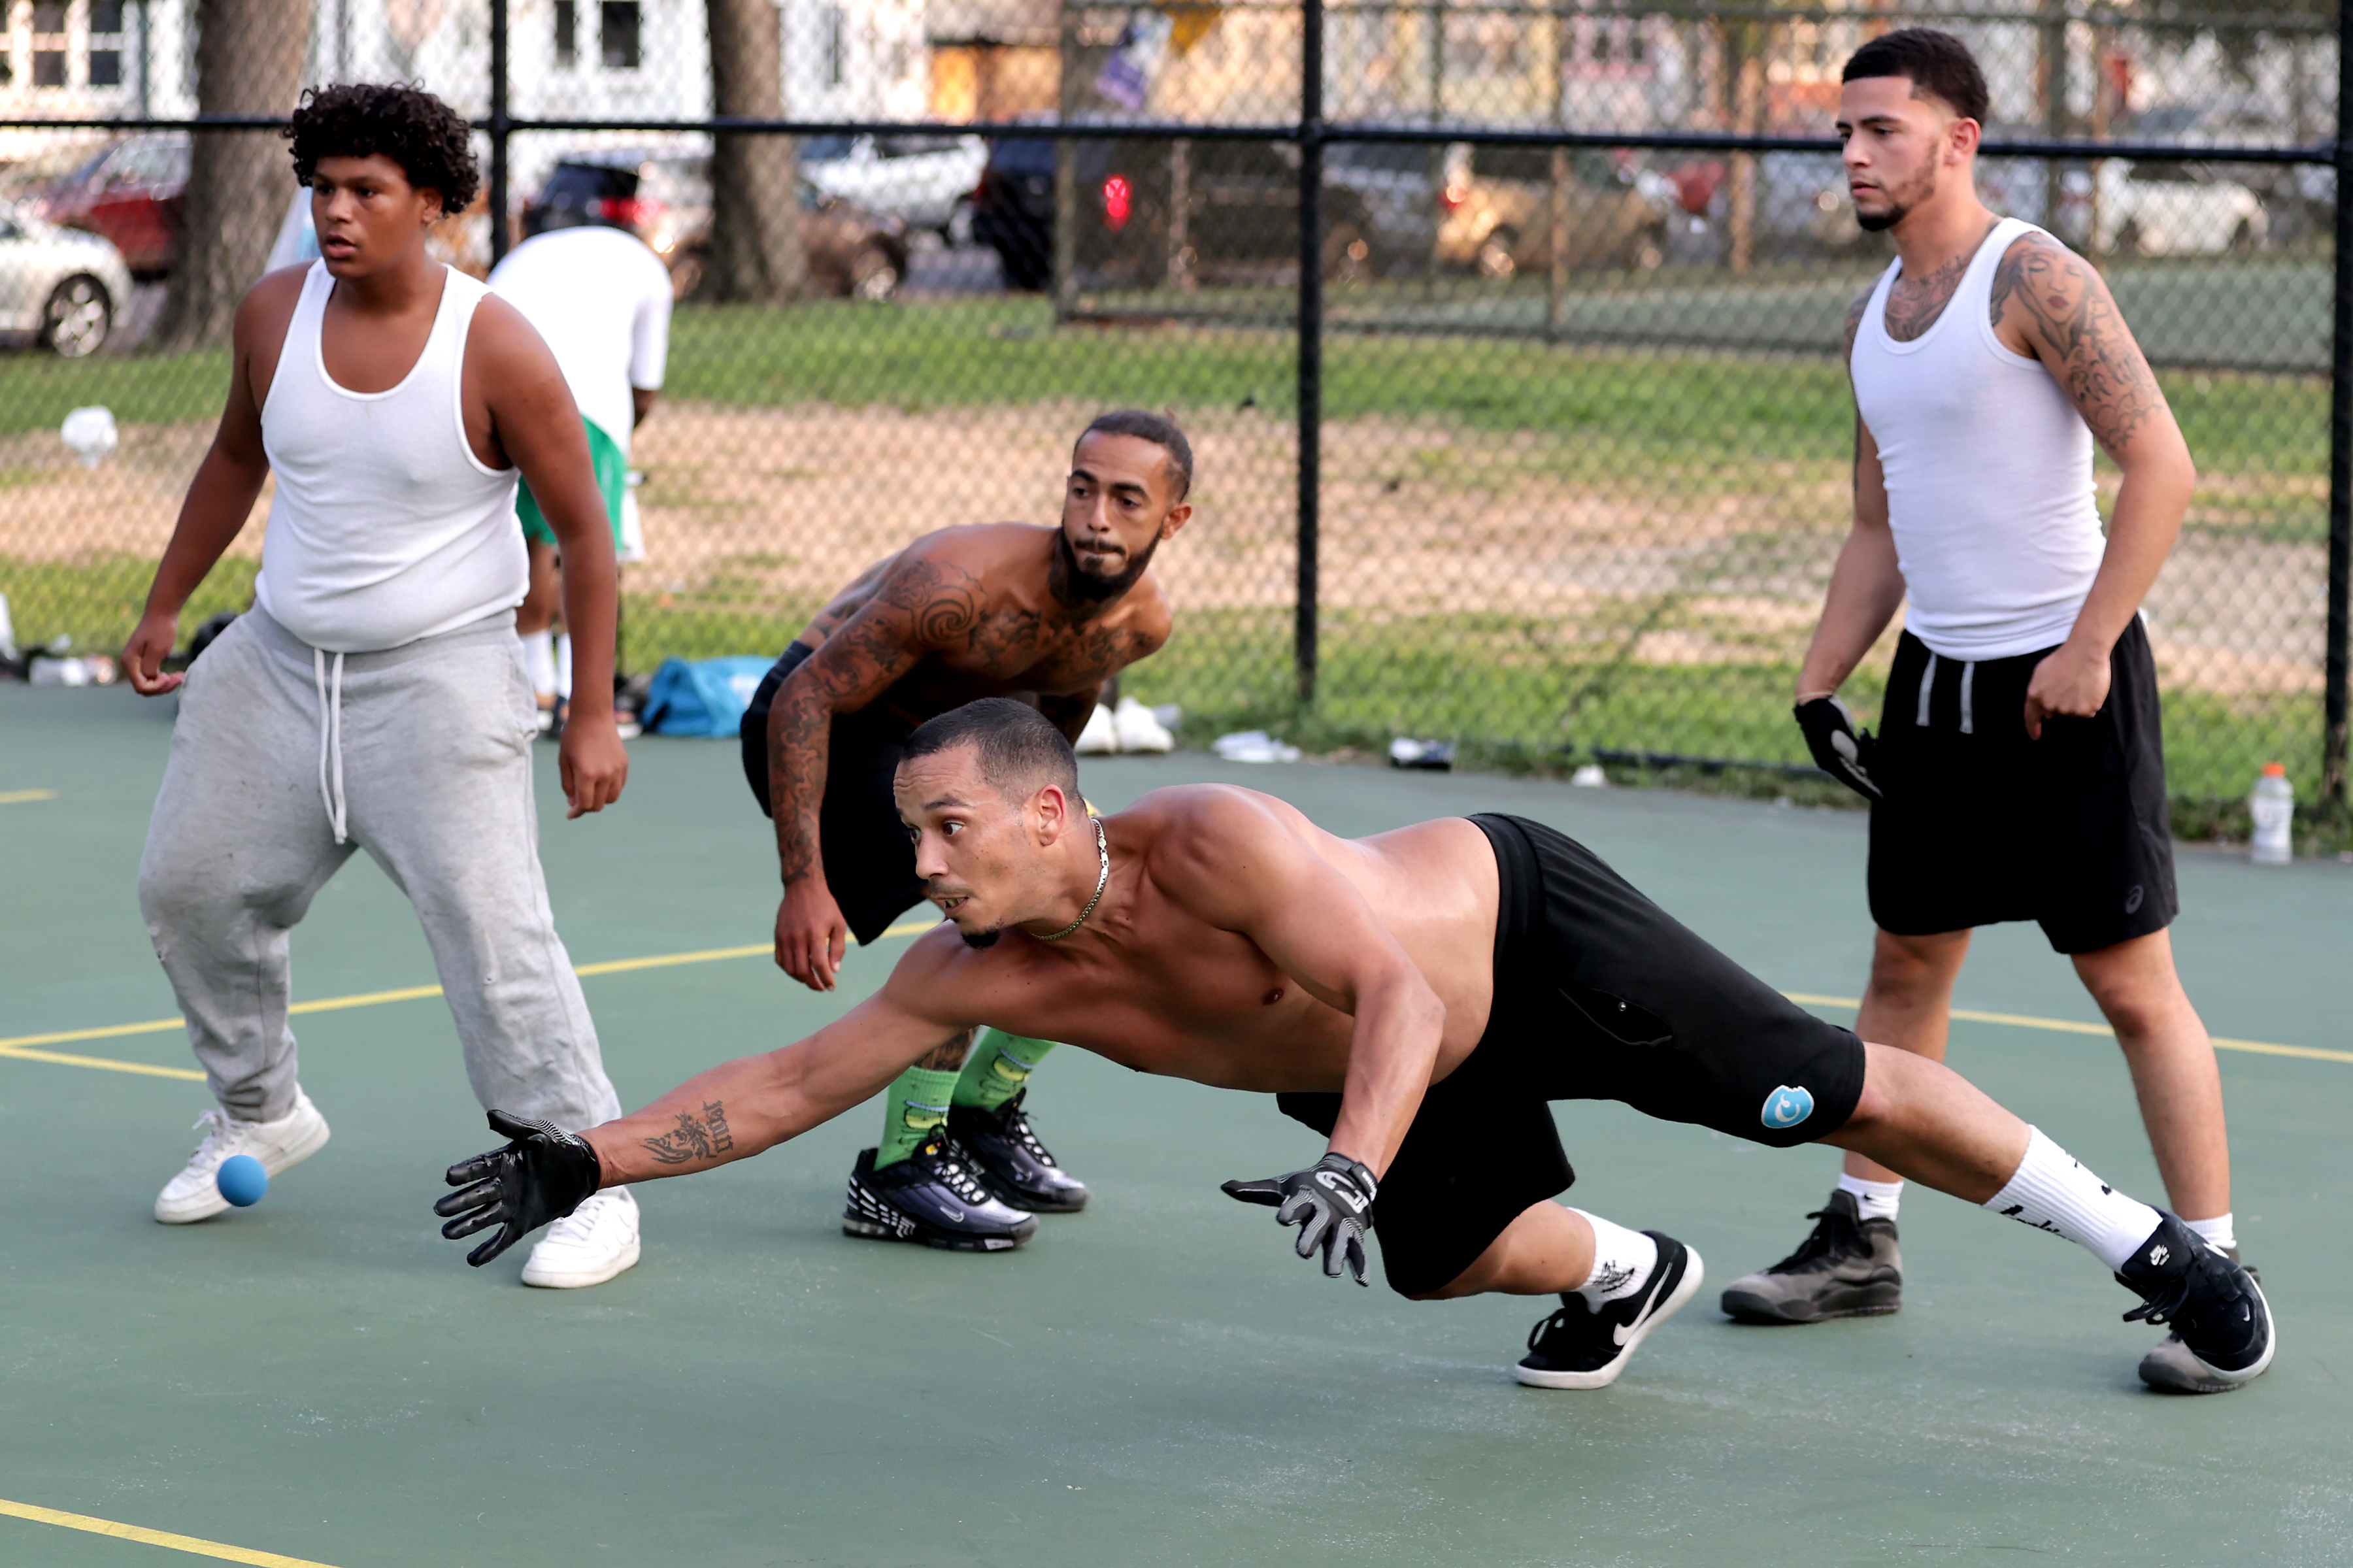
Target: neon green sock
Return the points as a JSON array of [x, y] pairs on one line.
[[917, 1102], [999, 1067]]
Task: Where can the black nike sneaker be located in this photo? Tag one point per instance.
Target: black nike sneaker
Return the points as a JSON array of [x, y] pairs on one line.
[[1578, 1347], [1013, 1162], [932, 1197], [2221, 1337], [1849, 1267]]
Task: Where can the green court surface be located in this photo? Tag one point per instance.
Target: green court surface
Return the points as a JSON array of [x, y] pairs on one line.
[[1156, 1380]]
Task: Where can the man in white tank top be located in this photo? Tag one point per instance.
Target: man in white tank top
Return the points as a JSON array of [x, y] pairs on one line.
[[2018, 771], [373, 697]]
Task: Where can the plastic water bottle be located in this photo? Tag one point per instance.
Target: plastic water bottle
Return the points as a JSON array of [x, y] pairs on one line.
[[2273, 805]]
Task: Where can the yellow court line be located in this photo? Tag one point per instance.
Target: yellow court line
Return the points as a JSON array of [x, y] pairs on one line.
[[2069, 1026], [19, 796], [163, 1537], [21, 1046]]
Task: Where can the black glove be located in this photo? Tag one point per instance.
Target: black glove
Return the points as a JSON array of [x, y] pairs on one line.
[[1839, 749], [543, 1175], [1332, 1204]]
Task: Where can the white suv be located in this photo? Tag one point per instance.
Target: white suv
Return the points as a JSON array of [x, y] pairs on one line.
[[921, 178]]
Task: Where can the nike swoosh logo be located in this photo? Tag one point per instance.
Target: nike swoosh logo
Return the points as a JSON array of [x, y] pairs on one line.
[[1658, 1287]]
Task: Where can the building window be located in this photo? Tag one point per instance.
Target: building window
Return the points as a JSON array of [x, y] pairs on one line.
[[567, 34], [48, 43], [835, 24], [618, 44], [106, 43]]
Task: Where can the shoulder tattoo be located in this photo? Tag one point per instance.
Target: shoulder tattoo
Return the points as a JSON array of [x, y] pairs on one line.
[[2066, 310]]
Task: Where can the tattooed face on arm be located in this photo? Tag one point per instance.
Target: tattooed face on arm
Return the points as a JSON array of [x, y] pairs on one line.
[[701, 1137], [2049, 303]]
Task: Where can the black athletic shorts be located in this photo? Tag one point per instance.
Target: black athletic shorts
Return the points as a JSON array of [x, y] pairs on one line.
[[1599, 994], [869, 864], [1982, 823]]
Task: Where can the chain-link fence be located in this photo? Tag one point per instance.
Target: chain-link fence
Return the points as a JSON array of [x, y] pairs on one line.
[[1564, 368]]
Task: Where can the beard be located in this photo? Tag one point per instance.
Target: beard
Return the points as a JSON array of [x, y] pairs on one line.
[[1085, 585], [980, 938], [1899, 203]]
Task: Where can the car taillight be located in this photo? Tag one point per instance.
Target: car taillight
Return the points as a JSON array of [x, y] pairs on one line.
[[1118, 199], [633, 212]]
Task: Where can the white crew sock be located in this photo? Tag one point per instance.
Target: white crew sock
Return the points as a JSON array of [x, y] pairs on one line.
[[1872, 1200], [564, 667], [539, 661], [1622, 1260], [2218, 1232], [2051, 1192]]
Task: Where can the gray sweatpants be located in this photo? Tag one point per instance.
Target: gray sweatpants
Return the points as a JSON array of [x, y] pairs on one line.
[[429, 761]]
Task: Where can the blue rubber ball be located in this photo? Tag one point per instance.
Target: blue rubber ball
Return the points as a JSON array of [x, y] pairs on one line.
[[242, 1180]]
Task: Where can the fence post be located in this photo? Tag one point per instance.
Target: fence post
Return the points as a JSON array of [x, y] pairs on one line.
[[500, 119], [1311, 330], [2340, 446]]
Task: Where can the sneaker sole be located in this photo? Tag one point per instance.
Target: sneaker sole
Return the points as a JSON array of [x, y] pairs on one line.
[[2166, 1376], [209, 1202], [1694, 1273], [554, 1279], [1036, 1203], [945, 1241], [1749, 1307]]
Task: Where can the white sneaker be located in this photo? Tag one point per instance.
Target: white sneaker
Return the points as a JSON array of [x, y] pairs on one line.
[[588, 1246], [195, 1193]]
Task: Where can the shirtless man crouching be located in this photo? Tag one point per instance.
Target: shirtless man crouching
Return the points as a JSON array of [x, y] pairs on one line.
[[1419, 995], [983, 610]]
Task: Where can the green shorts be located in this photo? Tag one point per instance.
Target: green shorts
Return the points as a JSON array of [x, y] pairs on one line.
[[612, 470]]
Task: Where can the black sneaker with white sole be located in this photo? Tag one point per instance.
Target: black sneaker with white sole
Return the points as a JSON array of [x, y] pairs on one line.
[[2222, 1337], [1579, 1347], [1012, 1162], [933, 1196]]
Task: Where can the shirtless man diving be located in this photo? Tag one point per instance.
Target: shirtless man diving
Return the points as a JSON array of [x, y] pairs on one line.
[[1419, 997], [993, 610]]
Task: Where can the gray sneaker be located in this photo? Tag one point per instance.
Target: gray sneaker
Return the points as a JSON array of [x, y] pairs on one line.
[[1848, 1268]]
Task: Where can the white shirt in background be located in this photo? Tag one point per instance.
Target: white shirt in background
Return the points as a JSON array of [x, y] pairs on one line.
[[601, 298]]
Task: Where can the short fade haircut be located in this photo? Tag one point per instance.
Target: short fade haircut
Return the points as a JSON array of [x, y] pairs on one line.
[[1157, 428], [429, 139], [1019, 748], [1938, 64]]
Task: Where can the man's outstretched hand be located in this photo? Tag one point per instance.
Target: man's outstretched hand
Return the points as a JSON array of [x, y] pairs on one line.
[[543, 1174], [1331, 1203]]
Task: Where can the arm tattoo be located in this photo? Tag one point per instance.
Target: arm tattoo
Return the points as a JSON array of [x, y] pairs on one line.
[[697, 1138], [918, 606], [2067, 312], [1854, 314]]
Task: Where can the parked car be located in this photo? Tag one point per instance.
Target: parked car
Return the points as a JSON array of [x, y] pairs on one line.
[[1498, 206], [919, 178], [60, 287], [2175, 209], [133, 193], [664, 198], [1240, 213]]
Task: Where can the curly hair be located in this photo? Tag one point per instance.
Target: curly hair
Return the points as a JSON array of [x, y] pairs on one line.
[[429, 139]]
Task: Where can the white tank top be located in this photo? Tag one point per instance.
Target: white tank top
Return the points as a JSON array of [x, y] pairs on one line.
[[1989, 473], [386, 528]]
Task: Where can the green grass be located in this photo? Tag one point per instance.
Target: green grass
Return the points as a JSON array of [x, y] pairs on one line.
[[1673, 427]]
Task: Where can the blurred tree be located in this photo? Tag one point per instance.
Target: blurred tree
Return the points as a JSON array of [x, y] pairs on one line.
[[756, 231], [248, 62]]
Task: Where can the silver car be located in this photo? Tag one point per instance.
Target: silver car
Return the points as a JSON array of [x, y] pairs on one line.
[[62, 287]]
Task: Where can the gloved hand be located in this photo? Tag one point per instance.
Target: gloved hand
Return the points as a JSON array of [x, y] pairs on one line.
[[543, 1175], [1839, 749], [1332, 1204]]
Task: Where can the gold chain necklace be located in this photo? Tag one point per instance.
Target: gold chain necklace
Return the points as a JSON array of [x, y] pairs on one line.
[[1102, 881]]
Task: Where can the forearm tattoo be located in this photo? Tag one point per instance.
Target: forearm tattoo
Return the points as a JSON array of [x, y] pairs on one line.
[[2066, 310], [701, 1137]]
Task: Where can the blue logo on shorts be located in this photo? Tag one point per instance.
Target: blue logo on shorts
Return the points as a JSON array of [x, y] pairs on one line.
[[1786, 1107]]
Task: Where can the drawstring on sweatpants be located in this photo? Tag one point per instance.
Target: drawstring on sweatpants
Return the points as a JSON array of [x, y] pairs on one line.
[[1968, 694], [330, 738]]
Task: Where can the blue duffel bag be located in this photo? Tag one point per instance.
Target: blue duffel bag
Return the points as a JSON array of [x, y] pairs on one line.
[[703, 695]]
